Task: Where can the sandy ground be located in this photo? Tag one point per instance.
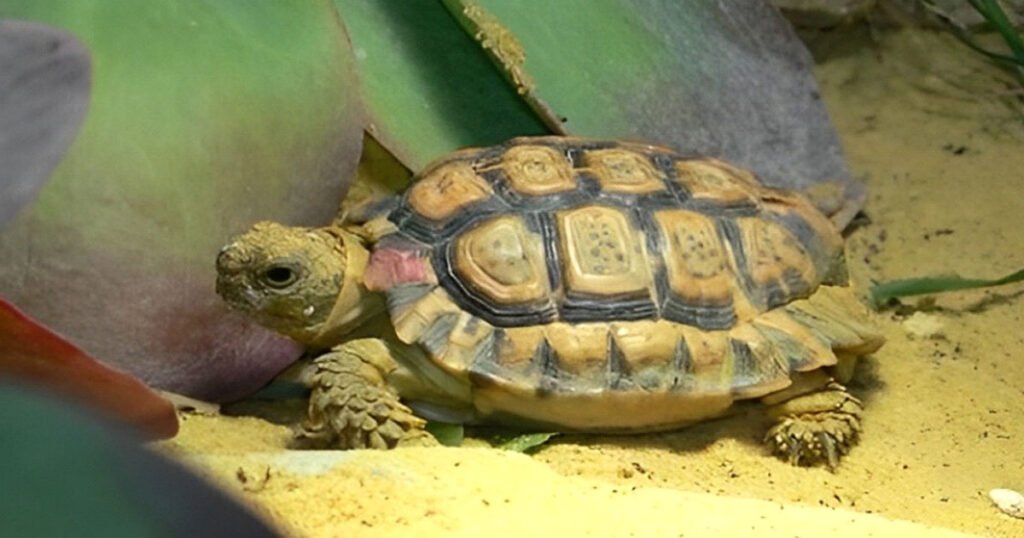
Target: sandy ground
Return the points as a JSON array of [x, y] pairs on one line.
[[936, 134]]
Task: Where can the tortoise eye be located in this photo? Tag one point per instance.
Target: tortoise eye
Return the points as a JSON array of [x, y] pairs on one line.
[[280, 276]]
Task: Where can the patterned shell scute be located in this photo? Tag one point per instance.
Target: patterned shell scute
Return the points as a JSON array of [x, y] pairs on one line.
[[550, 229]]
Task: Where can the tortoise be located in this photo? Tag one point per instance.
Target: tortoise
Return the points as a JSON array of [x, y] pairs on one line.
[[568, 284]]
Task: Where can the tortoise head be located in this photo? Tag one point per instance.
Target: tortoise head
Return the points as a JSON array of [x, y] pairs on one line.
[[291, 280]]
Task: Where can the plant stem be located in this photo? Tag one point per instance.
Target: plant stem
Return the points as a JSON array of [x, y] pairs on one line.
[[882, 293]]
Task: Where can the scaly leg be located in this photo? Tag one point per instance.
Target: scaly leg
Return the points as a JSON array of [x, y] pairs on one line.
[[351, 405], [814, 427]]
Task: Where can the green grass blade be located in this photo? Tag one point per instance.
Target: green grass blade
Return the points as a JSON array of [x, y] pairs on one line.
[[964, 35], [965, 38], [883, 293], [996, 17], [526, 442], [994, 14], [446, 434]]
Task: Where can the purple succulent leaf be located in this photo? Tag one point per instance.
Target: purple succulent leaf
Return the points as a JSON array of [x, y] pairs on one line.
[[44, 93], [205, 117]]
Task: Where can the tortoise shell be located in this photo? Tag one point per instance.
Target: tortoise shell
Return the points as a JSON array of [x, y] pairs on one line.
[[548, 272]]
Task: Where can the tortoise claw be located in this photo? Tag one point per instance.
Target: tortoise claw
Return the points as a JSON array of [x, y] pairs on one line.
[[795, 449], [812, 440], [831, 452]]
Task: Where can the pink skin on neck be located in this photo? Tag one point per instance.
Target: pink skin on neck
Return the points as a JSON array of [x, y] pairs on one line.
[[392, 267]]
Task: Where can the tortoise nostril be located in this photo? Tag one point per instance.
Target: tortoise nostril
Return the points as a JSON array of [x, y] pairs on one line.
[[231, 260], [224, 258]]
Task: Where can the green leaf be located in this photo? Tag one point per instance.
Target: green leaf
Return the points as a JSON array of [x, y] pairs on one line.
[[379, 176], [446, 434], [727, 79], [67, 473], [526, 442], [883, 293], [206, 116], [428, 88]]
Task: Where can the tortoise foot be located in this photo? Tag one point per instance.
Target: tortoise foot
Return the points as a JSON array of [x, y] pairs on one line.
[[351, 406], [816, 428]]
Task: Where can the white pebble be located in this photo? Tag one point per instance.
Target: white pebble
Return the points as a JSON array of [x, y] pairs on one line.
[[1009, 501], [924, 326]]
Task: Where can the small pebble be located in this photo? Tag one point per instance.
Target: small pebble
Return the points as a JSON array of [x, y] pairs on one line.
[[1009, 501], [924, 326]]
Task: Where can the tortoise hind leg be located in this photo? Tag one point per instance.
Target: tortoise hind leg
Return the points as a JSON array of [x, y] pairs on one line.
[[351, 405], [817, 421]]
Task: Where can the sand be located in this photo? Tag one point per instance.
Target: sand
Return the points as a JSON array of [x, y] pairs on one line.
[[936, 133]]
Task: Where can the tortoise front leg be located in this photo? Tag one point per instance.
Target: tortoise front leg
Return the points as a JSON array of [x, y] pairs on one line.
[[814, 424], [351, 405]]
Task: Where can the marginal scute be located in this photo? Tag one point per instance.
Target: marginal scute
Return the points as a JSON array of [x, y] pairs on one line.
[[835, 315], [538, 170], [803, 349], [471, 341], [709, 351], [503, 260], [602, 252], [435, 339], [412, 322], [449, 188], [623, 170], [645, 351], [548, 359], [516, 347], [758, 365], [646, 343], [582, 349]]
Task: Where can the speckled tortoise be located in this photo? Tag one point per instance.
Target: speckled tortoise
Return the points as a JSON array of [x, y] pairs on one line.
[[568, 284]]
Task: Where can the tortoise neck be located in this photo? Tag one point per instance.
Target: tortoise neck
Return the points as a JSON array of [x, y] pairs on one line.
[[355, 304]]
